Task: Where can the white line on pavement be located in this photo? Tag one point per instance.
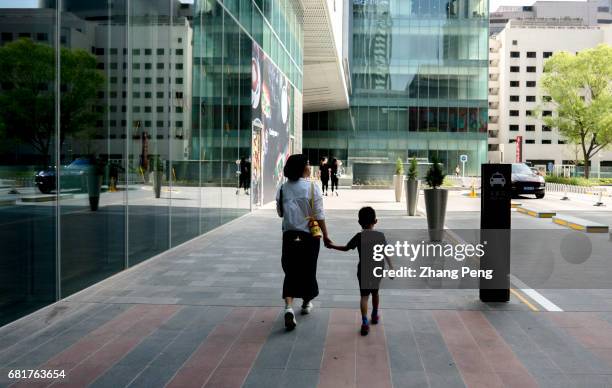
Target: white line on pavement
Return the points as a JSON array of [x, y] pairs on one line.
[[533, 294]]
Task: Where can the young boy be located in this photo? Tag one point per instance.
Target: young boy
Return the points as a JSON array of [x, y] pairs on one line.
[[370, 284]]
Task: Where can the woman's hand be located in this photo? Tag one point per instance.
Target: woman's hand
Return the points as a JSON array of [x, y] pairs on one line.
[[327, 242]]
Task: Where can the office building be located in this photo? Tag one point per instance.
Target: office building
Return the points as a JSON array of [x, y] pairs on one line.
[[517, 58], [418, 82]]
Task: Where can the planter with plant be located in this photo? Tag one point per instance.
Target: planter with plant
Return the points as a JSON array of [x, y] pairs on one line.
[[158, 175], [435, 201], [412, 188], [398, 179], [95, 173]]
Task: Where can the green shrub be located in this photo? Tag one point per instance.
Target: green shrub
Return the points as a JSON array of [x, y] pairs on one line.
[[413, 169], [576, 181], [399, 167], [435, 176]]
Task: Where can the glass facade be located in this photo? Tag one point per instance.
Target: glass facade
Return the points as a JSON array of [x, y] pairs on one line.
[[122, 124], [419, 87]]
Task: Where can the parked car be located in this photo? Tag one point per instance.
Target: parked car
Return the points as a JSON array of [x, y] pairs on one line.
[[526, 181], [73, 176]]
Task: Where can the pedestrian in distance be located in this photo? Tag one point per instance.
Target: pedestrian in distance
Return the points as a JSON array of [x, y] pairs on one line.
[[369, 284], [324, 175], [300, 203], [244, 179], [334, 174]]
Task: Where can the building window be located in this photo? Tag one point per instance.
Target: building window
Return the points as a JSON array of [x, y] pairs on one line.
[[530, 128], [514, 113], [114, 66], [528, 113], [160, 109], [529, 141], [136, 66], [100, 66], [160, 94], [136, 109], [7, 36], [148, 80], [160, 51], [546, 98], [112, 108], [42, 37], [547, 54], [179, 66], [148, 51], [114, 51], [160, 123], [179, 124], [514, 69], [179, 51], [531, 69], [546, 141], [547, 113], [148, 66], [531, 54], [147, 123], [515, 84], [514, 127], [180, 40], [136, 52], [179, 81], [160, 80], [546, 128], [113, 80], [515, 42], [179, 109], [148, 95], [147, 109], [136, 95], [113, 94], [561, 141], [530, 98], [179, 95], [160, 66], [531, 84], [514, 98], [136, 80], [512, 141], [515, 54]]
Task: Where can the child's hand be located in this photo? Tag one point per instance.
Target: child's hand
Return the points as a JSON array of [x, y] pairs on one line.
[[328, 242]]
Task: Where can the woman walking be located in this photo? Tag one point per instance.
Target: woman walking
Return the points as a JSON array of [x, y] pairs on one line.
[[324, 174], [334, 165], [300, 204]]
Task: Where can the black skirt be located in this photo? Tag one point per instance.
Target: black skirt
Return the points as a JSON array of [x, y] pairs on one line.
[[299, 261]]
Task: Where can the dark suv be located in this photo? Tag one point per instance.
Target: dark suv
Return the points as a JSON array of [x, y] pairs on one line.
[[525, 181]]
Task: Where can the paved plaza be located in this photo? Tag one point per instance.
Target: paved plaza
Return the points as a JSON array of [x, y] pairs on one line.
[[209, 314]]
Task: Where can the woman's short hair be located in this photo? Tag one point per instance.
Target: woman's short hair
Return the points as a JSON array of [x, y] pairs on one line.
[[295, 166]]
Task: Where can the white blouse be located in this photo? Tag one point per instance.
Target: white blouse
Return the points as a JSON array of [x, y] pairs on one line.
[[296, 204]]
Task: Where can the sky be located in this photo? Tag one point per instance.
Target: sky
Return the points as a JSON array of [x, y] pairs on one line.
[[494, 4]]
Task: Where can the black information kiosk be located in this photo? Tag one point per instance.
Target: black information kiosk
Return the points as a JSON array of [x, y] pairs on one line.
[[495, 222]]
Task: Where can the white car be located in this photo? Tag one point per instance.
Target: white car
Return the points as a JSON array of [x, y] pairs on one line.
[[497, 179]]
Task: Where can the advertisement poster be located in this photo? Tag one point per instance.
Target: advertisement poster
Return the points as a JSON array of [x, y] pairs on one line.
[[271, 107], [519, 149]]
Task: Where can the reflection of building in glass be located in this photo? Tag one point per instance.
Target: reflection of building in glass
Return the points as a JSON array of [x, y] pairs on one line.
[[419, 72], [125, 145]]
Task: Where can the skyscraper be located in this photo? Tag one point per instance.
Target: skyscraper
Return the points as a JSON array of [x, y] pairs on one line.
[[419, 83]]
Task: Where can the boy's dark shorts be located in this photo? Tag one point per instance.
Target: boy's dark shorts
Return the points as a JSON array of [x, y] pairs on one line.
[[372, 283]]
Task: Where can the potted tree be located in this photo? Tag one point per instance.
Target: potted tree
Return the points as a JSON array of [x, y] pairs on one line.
[[95, 173], [398, 179], [435, 201], [158, 175], [412, 187]]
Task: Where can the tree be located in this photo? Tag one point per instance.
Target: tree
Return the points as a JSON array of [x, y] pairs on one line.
[[581, 90], [27, 98]]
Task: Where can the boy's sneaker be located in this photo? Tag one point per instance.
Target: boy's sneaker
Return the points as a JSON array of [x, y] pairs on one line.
[[365, 329], [307, 308], [290, 322], [374, 319]]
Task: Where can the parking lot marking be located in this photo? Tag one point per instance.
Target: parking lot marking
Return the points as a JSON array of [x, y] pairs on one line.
[[523, 299], [533, 294]]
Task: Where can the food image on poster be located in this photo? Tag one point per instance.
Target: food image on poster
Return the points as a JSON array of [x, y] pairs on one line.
[[271, 103]]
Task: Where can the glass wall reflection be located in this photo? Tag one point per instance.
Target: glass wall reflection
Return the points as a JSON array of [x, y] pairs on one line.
[[126, 135]]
